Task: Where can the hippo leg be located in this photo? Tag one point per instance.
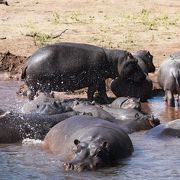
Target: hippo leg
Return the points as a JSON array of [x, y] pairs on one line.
[[91, 91], [170, 98], [102, 92]]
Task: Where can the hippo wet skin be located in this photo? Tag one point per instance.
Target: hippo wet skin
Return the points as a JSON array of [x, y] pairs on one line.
[[14, 127], [72, 66], [169, 78], [88, 143]]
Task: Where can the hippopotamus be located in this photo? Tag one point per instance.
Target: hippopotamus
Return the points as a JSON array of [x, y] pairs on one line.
[[46, 105], [170, 129], [93, 110], [142, 90], [14, 127], [169, 78], [88, 143], [145, 61], [132, 120], [71, 66]]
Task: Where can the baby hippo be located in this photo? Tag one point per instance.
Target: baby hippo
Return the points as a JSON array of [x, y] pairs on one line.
[[88, 143]]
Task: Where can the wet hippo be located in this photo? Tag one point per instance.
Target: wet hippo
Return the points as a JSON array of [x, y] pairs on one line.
[[72, 66], [131, 120], [145, 61], [142, 90], [88, 143], [93, 110], [14, 127], [170, 129], [46, 105], [169, 78], [126, 103]]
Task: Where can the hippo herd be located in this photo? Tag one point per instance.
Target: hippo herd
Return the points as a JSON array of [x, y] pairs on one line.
[[88, 134]]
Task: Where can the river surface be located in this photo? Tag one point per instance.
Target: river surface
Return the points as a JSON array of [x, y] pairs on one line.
[[152, 158]]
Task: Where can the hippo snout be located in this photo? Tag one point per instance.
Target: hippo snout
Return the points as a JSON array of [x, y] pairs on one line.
[[78, 167]]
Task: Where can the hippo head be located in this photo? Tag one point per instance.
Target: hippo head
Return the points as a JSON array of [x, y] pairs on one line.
[[147, 59], [131, 103], [88, 156], [146, 122], [130, 69]]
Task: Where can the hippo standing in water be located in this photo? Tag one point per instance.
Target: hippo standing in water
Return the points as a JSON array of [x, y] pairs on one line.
[[169, 78], [88, 143], [72, 66], [141, 89]]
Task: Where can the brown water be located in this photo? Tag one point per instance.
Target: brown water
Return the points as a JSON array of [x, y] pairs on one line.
[[152, 159]]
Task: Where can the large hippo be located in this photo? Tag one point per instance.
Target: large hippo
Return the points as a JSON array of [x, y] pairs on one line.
[[170, 129], [143, 89], [14, 127], [88, 143], [169, 78], [145, 61], [72, 66]]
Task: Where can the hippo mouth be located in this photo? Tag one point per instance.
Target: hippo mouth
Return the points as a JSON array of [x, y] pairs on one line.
[[78, 166]]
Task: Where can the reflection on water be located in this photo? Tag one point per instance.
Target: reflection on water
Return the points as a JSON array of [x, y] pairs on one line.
[[159, 108], [152, 158]]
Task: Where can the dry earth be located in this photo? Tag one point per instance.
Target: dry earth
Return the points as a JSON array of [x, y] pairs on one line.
[[130, 25]]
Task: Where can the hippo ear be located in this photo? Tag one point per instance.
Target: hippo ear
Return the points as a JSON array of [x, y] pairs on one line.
[[76, 142]]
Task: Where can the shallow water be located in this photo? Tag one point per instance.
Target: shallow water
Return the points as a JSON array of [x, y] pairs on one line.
[[152, 158]]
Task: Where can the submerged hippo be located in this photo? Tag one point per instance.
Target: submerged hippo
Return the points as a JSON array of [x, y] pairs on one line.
[[169, 78], [145, 61], [131, 120], [93, 110], [46, 105], [170, 129], [126, 103], [88, 143], [72, 66], [14, 127]]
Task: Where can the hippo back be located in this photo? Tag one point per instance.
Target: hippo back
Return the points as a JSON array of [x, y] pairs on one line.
[[61, 137]]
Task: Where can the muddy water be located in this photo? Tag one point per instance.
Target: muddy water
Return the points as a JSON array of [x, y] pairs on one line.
[[152, 158]]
